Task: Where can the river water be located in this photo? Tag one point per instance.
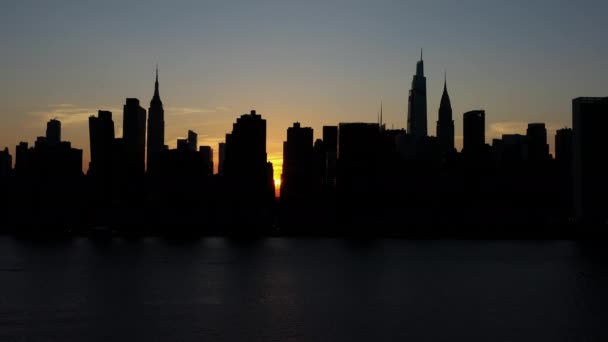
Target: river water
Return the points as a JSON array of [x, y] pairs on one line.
[[279, 289]]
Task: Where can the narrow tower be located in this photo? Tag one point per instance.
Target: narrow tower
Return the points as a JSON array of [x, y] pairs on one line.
[[156, 130], [134, 138], [445, 124], [416, 112]]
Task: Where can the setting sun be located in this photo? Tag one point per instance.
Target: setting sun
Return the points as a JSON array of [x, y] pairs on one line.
[[277, 187]]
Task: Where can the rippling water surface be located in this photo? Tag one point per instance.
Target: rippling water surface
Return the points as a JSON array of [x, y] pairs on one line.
[[276, 289]]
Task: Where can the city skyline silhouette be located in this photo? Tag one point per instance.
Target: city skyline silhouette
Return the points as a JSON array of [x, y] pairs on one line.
[[510, 127], [309, 63], [359, 174], [340, 119], [321, 170]]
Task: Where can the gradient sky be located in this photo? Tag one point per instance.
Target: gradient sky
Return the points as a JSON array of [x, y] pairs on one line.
[[316, 62]]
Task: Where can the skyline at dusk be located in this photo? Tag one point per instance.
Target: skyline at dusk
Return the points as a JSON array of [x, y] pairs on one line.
[[320, 170], [317, 64]]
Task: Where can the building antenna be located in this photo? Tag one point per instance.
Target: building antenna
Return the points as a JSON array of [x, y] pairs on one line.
[[381, 121]]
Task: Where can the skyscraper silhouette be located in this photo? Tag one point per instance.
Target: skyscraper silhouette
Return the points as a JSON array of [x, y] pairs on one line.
[[53, 132], [416, 113], [6, 163], [186, 166], [245, 154], [101, 136], [358, 150], [49, 161], [134, 137], [563, 147], [296, 179], [563, 161], [589, 122], [538, 149], [22, 159], [206, 153], [445, 124], [192, 140], [221, 158], [514, 149], [103, 159], [474, 138], [330, 143], [156, 130], [183, 145], [248, 175]]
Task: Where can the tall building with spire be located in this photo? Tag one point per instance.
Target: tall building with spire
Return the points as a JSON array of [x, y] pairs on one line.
[[416, 111], [445, 124], [156, 130]]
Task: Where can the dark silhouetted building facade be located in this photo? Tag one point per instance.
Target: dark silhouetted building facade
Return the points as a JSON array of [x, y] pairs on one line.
[[192, 141], [564, 164], [330, 144], [358, 149], [156, 130], [514, 149], [22, 158], [186, 165], [6, 163], [416, 114], [47, 160], [221, 158], [297, 176], [538, 149], [445, 124], [206, 153], [183, 144], [134, 138], [563, 147], [590, 144], [53, 132], [101, 139], [49, 188], [245, 161], [474, 135], [104, 170]]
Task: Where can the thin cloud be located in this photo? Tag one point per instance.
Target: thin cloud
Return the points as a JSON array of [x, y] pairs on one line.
[[276, 158], [190, 110], [66, 113], [223, 109], [61, 105], [500, 128], [497, 129]]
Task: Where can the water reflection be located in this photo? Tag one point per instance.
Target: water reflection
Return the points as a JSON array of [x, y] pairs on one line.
[[302, 290]]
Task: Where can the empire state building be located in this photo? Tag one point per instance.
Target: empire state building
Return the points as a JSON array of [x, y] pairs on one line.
[[156, 130]]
